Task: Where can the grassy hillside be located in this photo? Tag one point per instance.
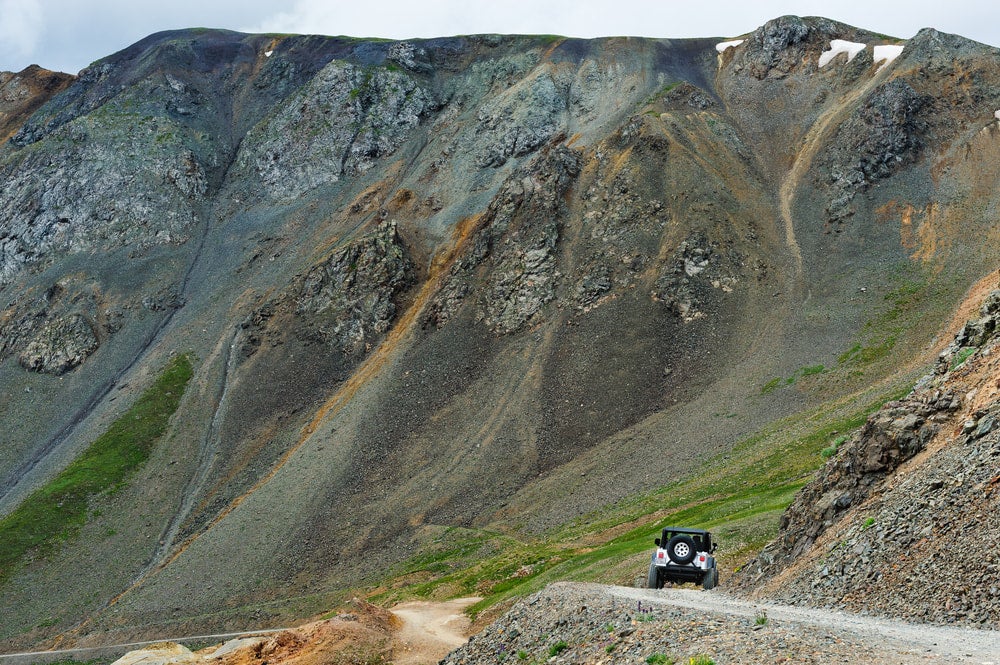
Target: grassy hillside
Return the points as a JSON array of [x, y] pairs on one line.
[[53, 514]]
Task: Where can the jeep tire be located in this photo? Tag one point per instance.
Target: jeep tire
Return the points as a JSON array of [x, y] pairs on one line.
[[653, 579], [681, 550], [711, 579]]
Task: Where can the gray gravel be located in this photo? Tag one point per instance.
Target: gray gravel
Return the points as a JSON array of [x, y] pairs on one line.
[[608, 624]]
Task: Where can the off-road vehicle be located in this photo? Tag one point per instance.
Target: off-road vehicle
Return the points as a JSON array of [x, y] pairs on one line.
[[683, 555]]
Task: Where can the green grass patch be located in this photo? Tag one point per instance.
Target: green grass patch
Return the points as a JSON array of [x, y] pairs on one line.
[[916, 292], [660, 659], [55, 512], [557, 648], [832, 449], [771, 385], [847, 355], [962, 355], [801, 373]]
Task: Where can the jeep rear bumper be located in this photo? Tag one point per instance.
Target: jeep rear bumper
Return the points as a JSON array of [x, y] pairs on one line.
[[673, 573]]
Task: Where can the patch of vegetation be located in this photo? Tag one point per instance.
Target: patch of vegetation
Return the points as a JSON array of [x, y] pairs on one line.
[[802, 372], [771, 385], [660, 659], [761, 618], [866, 355], [832, 449], [558, 648], [55, 513], [847, 355], [700, 660], [962, 355], [917, 292]]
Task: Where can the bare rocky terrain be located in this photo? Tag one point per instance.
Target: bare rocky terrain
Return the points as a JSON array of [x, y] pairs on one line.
[[489, 285], [574, 623]]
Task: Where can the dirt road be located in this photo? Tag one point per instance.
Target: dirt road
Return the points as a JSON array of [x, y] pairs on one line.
[[959, 644], [600, 624], [430, 630]]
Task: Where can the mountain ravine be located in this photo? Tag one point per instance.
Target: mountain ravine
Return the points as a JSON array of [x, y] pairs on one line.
[[484, 284]]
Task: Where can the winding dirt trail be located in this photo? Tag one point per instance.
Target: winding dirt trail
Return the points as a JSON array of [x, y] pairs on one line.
[[430, 630], [814, 139]]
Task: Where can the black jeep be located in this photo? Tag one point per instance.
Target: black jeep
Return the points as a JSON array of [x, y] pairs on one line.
[[683, 555]]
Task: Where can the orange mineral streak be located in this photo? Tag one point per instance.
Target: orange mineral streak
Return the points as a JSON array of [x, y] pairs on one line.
[[918, 229], [368, 370]]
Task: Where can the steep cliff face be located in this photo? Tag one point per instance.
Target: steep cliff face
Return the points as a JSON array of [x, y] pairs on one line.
[[491, 282]]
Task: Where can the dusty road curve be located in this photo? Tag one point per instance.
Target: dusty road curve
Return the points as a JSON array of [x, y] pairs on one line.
[[958, 644], [430, 630]]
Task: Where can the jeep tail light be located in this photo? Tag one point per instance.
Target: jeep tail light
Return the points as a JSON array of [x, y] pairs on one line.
[[659, 555]]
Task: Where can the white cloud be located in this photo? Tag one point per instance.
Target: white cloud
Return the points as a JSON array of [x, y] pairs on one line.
[[399, 19], [21, 27]]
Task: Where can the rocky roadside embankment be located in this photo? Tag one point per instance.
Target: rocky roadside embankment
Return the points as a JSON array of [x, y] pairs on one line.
[[591, 623], [904, 521]]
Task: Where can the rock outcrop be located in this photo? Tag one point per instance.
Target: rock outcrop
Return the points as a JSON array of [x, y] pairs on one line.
[[880, 137], [518, 238], [349, 301], [60, 345], [337, 126]]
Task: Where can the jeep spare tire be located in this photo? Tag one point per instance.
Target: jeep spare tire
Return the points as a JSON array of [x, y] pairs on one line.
[[680, 549]]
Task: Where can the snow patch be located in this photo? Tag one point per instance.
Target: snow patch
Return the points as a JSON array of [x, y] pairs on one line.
[[887, 52], [838, 46], [722, 46], [996, 114], [267, 54]]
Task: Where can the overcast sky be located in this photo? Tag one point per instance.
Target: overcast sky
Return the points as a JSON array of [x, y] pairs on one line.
[[67, 35]]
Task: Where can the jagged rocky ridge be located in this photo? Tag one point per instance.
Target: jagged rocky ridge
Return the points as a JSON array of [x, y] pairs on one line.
[[483, 282]]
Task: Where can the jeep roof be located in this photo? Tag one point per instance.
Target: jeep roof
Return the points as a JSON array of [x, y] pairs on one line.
[[670, 531]]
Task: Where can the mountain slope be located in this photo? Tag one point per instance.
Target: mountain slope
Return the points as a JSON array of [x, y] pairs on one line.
[[483, 282]]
